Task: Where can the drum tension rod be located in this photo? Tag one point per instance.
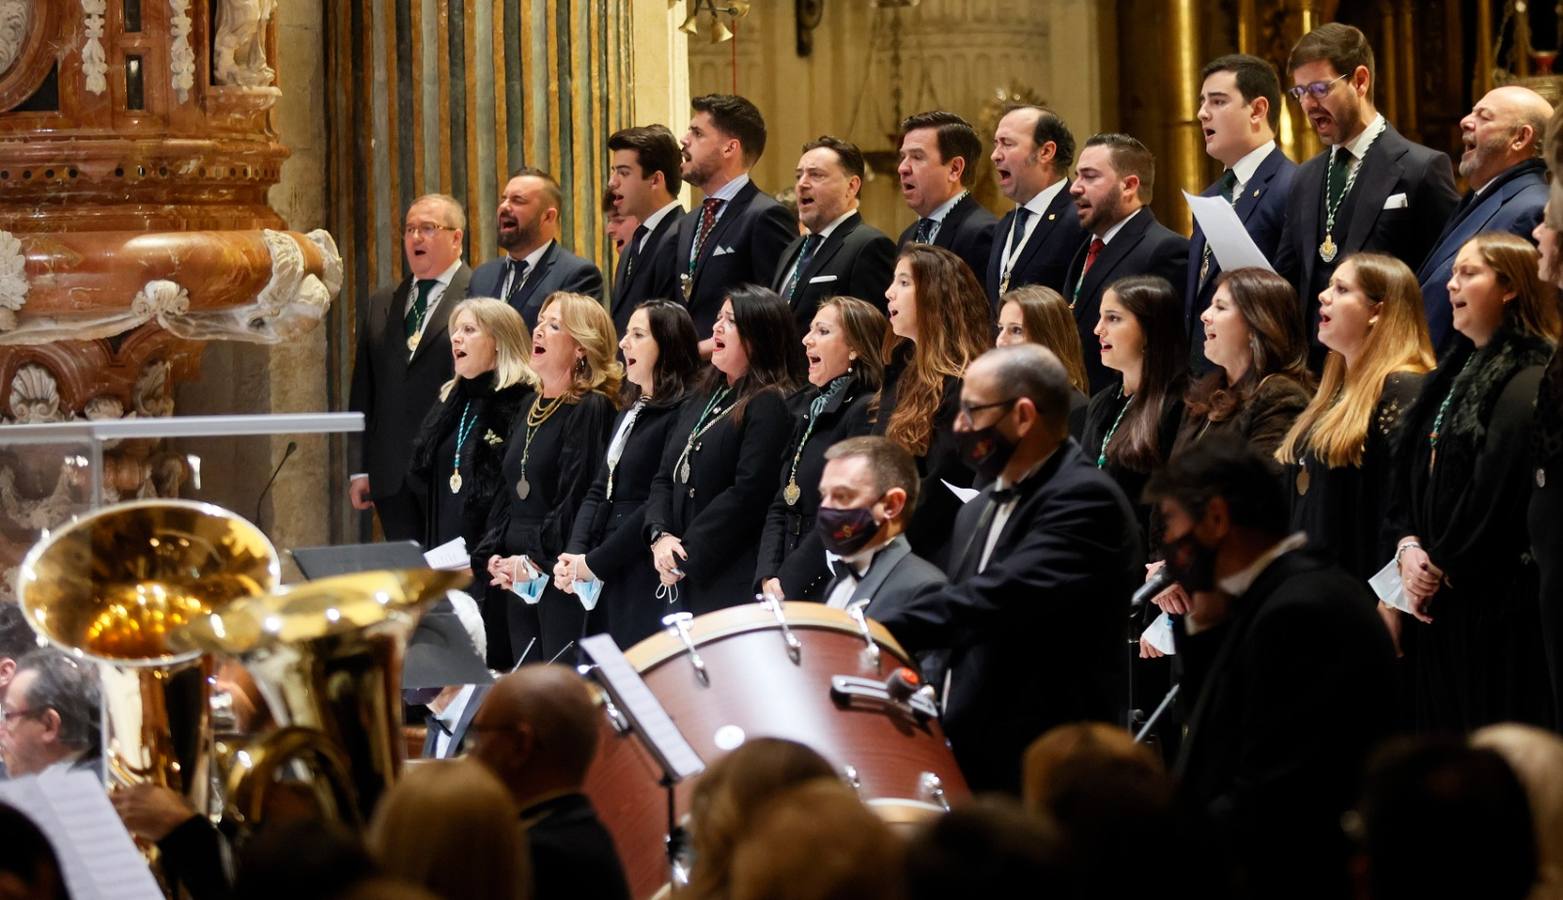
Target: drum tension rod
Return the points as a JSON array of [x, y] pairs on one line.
[[774, 604], [678, 623], [855, 610]]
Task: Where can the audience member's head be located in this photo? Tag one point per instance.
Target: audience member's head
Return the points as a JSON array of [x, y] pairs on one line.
[[816, 841], [730, 793], [452, 827], [1439, 818], [29, 867], [52, 713], [1536, 756], [537, 730], [301, 859], [987, 848]]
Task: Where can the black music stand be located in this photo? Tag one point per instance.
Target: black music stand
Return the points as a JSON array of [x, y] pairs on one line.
[[633, 700]]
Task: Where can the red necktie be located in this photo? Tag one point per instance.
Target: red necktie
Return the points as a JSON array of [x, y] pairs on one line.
[[1090, 255]]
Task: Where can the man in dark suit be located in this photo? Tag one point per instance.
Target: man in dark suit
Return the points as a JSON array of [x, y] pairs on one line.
[[1287, 670], [1239, 105], [1033, 615], [645, 183], [402, 358], [1112, 188], [1034, 242], [740, 232], [450, 716], [1384, 193], [534, 264], [1502, 165], [537, 730], [839, 254], [939, 154]]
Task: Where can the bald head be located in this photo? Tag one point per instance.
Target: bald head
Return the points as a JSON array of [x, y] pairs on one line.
[[538, 730], [1031, 371], [1504, 129]]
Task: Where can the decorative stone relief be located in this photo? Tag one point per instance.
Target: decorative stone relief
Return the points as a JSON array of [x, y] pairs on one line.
[[35, 397], [181, 56], [240, 46], [94, 63], [151, 395], [15, 16], [160, 299], [13, 279]]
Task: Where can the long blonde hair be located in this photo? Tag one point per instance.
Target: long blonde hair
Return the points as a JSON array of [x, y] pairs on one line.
[[592, 328], [1047, 319], [1334, 426], [512, 345]]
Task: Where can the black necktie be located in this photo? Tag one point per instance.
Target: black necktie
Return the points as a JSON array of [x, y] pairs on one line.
[[632, 252], [924, 233], [810, 244], [1228, 183], [517, 278], [1017, 234]]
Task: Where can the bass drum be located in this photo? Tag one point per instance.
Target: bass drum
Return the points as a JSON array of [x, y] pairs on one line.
[[756, 685]]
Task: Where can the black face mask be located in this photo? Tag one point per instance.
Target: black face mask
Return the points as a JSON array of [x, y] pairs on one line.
[[846, 531], [985, 451], [1190, 562]]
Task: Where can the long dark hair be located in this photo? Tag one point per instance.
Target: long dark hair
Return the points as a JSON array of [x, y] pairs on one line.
[[770, 336], [1159, 311], [1268, 304], [678, 355]]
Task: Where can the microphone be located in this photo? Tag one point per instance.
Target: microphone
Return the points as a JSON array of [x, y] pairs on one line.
[[287, 452], [1158, 582]]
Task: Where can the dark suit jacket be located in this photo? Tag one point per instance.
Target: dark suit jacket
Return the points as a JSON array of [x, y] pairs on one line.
[[1514, 202], [748, 238], [967, 231], [1143, 246], [1393, 165], [572, 853], [654, 275], [1282, 704], [557, 270], [1262, 210], [458, 734], [857, 260], [1037, 638], [1045, 258], [895, 576], [392, 389]]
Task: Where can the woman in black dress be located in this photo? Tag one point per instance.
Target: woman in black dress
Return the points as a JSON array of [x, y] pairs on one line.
[[661, 357], [1475, 653], [552, 455], [845, 372], [1339, 455], [718, 472], [939, 323], [1545, 517]]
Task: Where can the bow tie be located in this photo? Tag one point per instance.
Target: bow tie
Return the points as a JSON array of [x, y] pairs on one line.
[[843, 569], [1004, 495], [435, 722]]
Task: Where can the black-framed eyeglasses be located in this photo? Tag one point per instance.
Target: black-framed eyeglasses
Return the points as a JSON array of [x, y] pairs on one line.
[[12, 715], [967, 409], [426, 230], [1319, 89]]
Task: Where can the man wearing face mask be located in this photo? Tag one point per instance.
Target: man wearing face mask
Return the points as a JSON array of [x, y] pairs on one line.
[[1040, 574], [1287, 671]]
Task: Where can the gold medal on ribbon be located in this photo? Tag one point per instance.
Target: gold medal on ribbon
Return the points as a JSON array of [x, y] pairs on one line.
[[523, 487], [791, 493], [412, 341], [1327, 250], [1302, 480], [455, 482]]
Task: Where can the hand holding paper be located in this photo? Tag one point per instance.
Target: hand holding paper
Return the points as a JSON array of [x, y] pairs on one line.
[[1229, 241]]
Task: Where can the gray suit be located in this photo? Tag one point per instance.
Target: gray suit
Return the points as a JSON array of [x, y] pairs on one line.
[[894, 577]]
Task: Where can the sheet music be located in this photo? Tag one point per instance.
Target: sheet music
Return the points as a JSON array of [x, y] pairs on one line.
[[964, 495], [644, 710], [450, 555], [94, 849], [1229, 241]]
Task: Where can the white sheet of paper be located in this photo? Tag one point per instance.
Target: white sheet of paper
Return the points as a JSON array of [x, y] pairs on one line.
[[450, 555], [962, 494], [1229, 241], [1159, 635], [1391, 591], [95, 851]]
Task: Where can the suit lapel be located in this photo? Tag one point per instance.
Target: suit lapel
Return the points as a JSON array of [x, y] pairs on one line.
[[1040, 234], [1308, 187], [779, 280], [1254, 190], [829, 248], [884, 562], [731, 212], [459, 733], [534, 280], [1474, 223], [951, 224], [1380, 173], [439, 316], [1116, 251]]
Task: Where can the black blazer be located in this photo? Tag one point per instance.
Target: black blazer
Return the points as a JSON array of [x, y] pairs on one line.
[[572, 853], [967, 231], [1143, 246], [1045, 258], [557, 270], [653, 276], [458, 734], [395, 389], [1393, 165], [750, 235], [1283, 703], [857, 260], [718, 515], [1037, 638]]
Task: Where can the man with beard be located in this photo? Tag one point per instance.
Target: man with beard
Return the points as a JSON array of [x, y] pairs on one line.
[[1287, 671], [644, 180], [1112, 190], [1502, 164], [1034, 242], [534, 265], [939, 155], [739, 233], [1371, 190], [838, 253]]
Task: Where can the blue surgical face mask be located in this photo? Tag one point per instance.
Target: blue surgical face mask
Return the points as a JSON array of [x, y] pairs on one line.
[[530, 590], [588, 592]]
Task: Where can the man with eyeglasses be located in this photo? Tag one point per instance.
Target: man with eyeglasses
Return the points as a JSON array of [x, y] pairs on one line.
[[16, 638], [533, 265], [1046, 559], [1370, 190], [51, 714], [403, 357]]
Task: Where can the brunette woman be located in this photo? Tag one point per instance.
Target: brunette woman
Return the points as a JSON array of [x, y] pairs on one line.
[[661, 357], [707, 504], [1464, 483], [1040, 315], [1546, 499], [845, 372], [1339, 453], [939, 323], [552, 455]]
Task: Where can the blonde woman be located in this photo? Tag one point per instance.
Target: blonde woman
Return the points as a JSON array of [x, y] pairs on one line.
[[451, 827], [551, 455], [1339, 453]]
